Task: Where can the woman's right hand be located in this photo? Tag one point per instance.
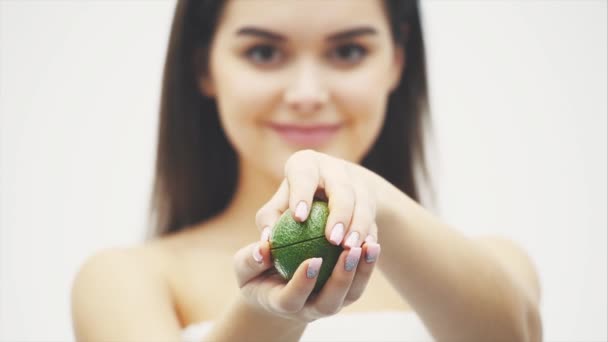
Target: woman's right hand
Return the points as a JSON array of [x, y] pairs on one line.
[[265, 289]]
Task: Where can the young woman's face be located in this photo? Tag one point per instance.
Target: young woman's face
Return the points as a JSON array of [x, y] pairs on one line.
[[290, 74]]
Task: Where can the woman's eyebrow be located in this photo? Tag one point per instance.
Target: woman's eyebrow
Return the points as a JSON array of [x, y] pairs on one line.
[[351, 33], [346, 34], [258, 32]]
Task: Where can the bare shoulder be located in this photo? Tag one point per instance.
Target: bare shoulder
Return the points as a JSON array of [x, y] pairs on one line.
[[119, 266], [516, 260], [122, 294]]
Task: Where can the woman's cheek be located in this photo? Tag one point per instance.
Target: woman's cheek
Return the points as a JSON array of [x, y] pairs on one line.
[[244, 104], [362, 89], [251, 94], [364, 108]]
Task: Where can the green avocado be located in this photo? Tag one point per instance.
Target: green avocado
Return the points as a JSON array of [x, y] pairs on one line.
[[292, 242]]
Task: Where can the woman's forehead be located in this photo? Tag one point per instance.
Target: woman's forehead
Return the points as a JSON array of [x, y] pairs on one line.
[[303, 17]]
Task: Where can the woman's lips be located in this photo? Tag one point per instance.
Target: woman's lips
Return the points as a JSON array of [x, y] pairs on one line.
[[306, 136]]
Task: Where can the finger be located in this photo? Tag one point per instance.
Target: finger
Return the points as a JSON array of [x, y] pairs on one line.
[[270, 212], [292, 297], [251, 261], [302, 173], [363, 217], [341, 202], [330, 299], [372, 235], [370, 254]]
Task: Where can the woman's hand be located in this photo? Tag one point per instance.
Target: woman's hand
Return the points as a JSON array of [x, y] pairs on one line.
[[351, 223], [348, 188]]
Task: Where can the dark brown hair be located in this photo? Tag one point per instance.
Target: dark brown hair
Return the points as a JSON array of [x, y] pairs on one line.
[[196, 167]]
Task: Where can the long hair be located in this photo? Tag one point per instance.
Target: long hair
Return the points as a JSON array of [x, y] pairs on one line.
[[196, 167]]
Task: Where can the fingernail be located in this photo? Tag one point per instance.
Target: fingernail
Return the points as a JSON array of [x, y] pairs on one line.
[[352, 240], [301, 211], [373, 250], [314, 265], [257, 256], [370, 239], [265, 234], [337, 233], [352, 259]]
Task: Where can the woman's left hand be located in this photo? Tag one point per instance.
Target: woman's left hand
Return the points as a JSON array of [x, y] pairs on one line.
[[346, 186]]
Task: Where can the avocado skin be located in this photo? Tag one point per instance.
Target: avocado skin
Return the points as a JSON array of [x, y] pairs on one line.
[[287, 231], [287, 259], [293, 242]]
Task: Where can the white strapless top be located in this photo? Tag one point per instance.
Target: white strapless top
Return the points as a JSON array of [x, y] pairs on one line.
[[357, 326]]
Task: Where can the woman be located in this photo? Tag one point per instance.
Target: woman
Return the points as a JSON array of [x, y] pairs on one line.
[[265, 105]]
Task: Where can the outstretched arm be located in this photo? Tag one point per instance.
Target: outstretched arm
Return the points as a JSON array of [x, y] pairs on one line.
[[463, 289]]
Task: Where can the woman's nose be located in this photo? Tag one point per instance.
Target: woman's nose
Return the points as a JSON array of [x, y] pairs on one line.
[[306, 92]]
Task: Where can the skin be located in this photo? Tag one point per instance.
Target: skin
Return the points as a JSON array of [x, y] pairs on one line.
[[306, 79]]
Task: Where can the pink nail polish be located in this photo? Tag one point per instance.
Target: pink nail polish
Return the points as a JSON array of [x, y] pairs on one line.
[[337, 233], [265, 234], [257, 255], [301, 211], [370, 239], [373, 250], [352, 259], [352, 240], [314, 265]]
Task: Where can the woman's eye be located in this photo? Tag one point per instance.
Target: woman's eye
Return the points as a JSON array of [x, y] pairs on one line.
[[349, 53], [263, 54]]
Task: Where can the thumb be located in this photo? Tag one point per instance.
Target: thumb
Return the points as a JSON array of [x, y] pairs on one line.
[[251, 261]]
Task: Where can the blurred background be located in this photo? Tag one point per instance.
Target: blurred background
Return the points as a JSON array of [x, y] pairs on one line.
[[519, 104]]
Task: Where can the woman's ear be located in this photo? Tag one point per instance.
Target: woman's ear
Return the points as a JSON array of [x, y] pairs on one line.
[[203, 75], [399, 57], [397, 66], [205, 85]]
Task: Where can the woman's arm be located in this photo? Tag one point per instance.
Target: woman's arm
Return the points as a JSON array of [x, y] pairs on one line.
[[250, 317], [242, 322], [463, 289]]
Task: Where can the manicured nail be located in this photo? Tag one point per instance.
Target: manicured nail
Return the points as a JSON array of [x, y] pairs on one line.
[[257, 256], [314, 265], [265, 234], [373, 249], [352, 259], [352, 240], [301, 211], [337, 233], [370, 239]]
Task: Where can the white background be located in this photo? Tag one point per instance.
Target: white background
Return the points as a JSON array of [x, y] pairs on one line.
[[518, 92]]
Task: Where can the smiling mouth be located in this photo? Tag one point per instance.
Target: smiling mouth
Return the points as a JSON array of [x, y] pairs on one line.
[[306, 136]]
